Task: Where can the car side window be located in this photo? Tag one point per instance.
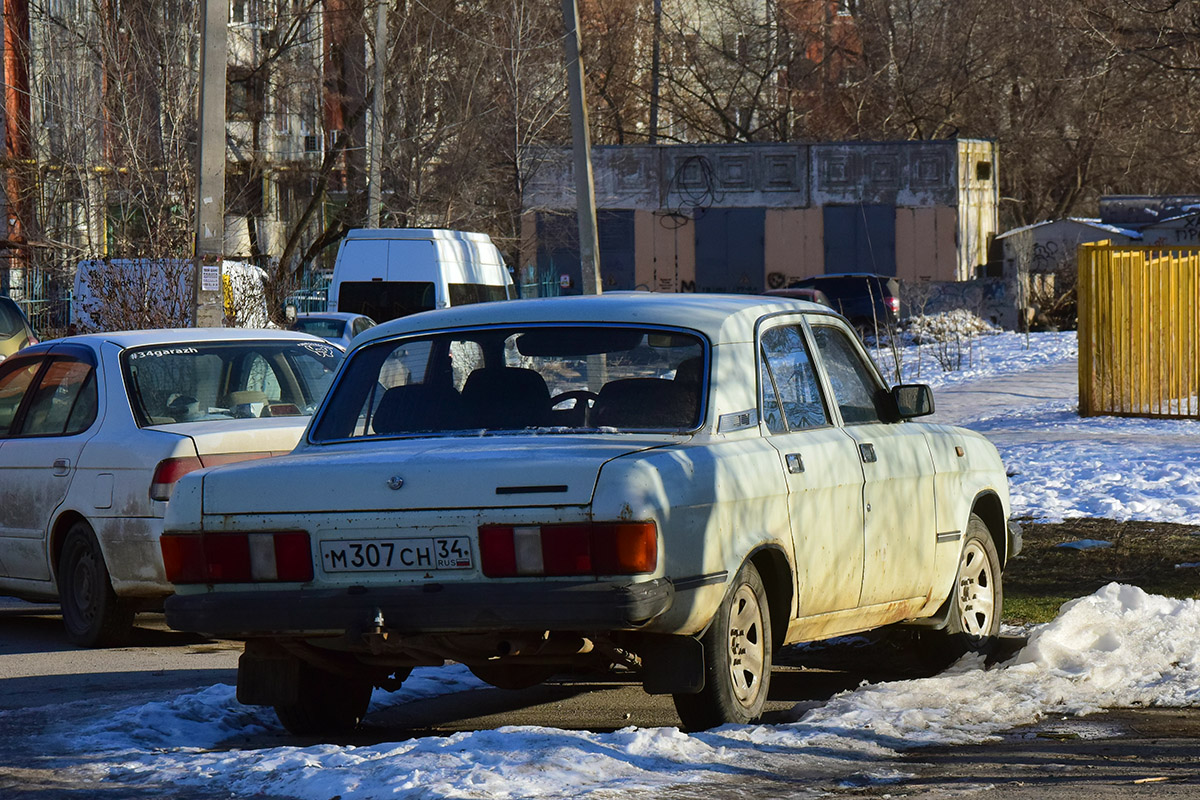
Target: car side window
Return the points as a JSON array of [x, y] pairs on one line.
[[854, 387], [791, 395], [64, 401], [14, 382]]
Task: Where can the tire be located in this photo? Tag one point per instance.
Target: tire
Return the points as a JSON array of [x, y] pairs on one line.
[[975, 605], [328, 704], [93, 614], [737, 659]]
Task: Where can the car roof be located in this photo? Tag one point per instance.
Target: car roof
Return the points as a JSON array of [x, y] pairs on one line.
[[874, 275], [342, 315], [156, 336], [722, 317]]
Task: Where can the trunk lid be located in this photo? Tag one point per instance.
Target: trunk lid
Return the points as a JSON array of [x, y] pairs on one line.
[[251, 437], [441, 473]]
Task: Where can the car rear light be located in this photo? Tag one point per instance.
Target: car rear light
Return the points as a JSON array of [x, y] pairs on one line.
[[170, 470], [894, 304], [619, 548], [237, 557]]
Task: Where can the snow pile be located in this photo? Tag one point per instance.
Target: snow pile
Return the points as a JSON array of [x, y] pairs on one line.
[[1118, 647], [947, 326]]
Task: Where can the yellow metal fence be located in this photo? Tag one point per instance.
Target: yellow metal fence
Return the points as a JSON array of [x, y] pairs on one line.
[[1139, 330]]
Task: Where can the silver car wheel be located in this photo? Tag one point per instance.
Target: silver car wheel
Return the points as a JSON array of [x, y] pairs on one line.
[[747, 650], [976, 591]]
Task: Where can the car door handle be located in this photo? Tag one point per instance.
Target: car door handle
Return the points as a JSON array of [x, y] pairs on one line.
[[867, 451], [62, 466], [795, 463]]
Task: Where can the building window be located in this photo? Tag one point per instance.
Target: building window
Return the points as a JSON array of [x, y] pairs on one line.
[[983, 170]]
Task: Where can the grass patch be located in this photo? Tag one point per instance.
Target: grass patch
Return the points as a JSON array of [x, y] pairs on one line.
[[1144, 554]]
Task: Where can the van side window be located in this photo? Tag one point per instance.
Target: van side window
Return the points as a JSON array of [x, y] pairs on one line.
[[462, 294]]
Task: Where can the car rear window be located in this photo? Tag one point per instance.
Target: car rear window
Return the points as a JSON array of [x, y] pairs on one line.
[[534, 378], [325, 328], [201, 381]]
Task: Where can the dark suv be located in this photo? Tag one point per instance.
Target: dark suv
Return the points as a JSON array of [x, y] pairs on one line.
[[869, 301]]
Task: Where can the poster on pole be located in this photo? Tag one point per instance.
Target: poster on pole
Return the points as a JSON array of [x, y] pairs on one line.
[[210, 277]]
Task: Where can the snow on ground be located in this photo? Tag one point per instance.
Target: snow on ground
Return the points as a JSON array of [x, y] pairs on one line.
[[1118, 647], [969, 358], [1109, 467], [1062, 465]]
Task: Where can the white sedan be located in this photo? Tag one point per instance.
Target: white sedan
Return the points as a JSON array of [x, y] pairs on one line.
[[94, 432], [671, 486]]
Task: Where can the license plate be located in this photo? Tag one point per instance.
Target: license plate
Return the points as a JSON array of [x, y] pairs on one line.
[[379, 555]]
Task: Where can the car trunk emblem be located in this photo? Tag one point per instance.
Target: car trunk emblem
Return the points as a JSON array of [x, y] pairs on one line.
[[395, 482]]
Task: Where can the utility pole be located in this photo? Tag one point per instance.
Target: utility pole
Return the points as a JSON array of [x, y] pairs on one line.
[[655, 67], [374, 169], [585, 191], [207, 307]]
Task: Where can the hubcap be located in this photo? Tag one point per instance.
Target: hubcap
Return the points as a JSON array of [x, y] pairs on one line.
[[976, 592], [83, 587], [747, 653]]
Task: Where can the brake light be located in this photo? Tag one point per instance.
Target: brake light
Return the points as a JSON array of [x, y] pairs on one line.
[[167, 474], [893, 303], [619, 548], [170, 470], [237, 557]]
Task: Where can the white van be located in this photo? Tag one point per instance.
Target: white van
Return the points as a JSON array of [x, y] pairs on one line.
[[139, 293], [387, 273]]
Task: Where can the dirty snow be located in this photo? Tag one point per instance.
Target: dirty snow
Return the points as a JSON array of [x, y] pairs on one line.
[[1117, 647]]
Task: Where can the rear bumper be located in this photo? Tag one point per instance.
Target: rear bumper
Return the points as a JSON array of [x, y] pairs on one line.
[[433, 608]]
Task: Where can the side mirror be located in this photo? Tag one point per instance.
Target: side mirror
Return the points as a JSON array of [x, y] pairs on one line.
[[913, 400]]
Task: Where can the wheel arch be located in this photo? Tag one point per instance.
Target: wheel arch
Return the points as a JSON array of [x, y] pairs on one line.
[[776, 573], [58, 535], [988, 507]]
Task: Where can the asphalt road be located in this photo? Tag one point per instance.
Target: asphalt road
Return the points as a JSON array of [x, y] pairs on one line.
[[1120, 754]]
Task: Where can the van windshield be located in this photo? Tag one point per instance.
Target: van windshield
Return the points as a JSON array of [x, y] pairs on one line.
[[384, 300]]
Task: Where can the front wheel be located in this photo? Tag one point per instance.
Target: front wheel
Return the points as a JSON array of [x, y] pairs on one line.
[[737, 659], [976, 601], [93, 614]]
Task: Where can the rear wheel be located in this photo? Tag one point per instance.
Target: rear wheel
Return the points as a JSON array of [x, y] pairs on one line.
[[737, 659], [93, 614], [326, 703]]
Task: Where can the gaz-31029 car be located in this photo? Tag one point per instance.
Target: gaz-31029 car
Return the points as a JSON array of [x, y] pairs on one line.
[[671, 486]]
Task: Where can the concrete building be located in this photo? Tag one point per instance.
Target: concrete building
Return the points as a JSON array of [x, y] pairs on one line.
[[1036, 256], [749, 217]]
